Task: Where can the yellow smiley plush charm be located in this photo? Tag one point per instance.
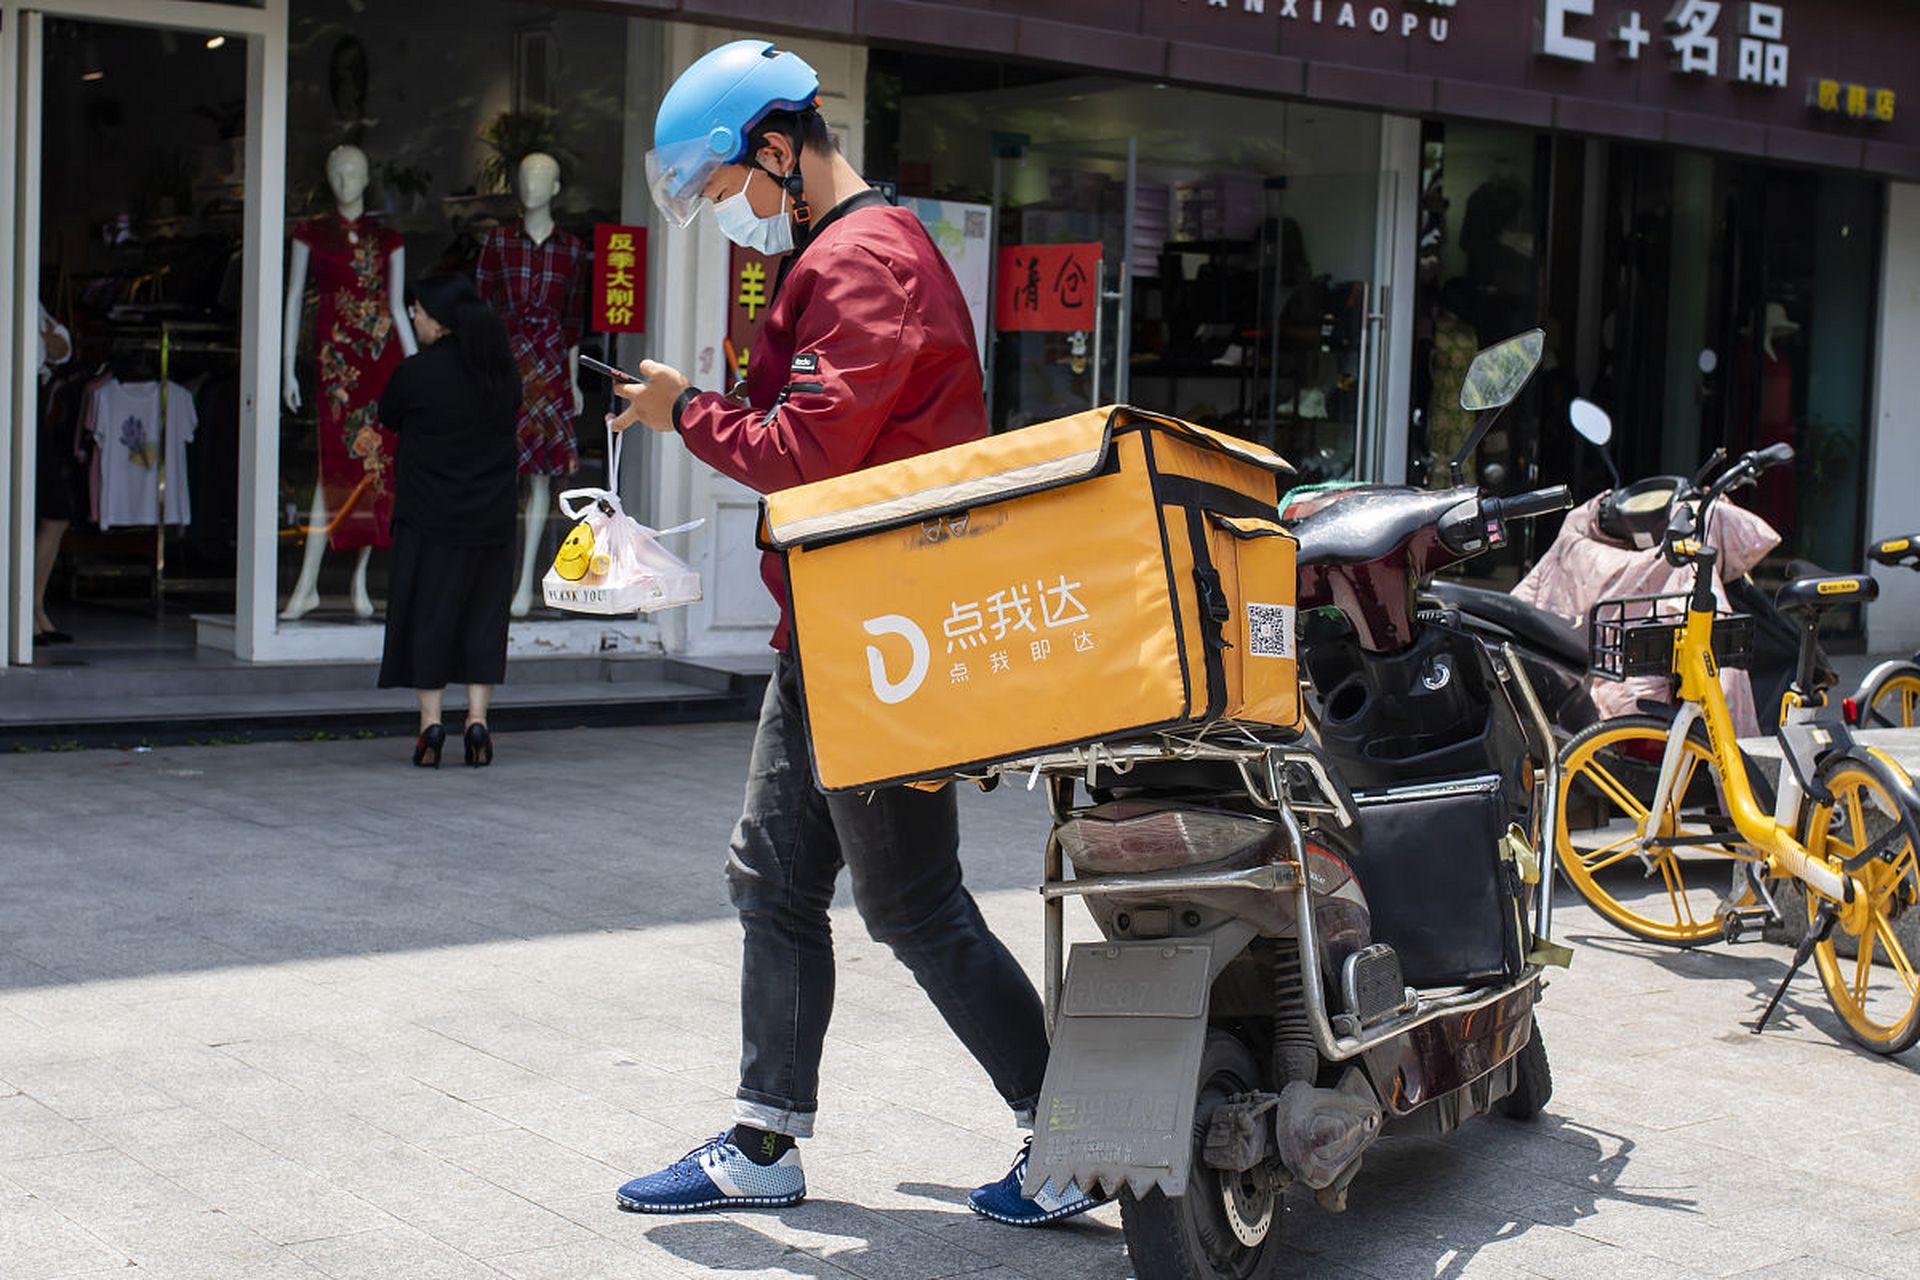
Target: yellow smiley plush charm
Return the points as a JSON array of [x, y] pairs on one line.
[[576, 553]]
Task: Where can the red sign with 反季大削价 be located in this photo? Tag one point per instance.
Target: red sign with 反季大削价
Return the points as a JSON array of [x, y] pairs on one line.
[[619, 278], [1054, 288]]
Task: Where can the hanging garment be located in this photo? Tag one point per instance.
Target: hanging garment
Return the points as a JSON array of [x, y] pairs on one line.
[[127, 431], [539, 290], [358, 352]]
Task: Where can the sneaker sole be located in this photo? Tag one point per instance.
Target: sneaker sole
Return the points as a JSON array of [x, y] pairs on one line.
[[719, 1202], [1066, 1211]]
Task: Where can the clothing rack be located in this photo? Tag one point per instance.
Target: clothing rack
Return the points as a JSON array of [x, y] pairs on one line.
[[161, 339]]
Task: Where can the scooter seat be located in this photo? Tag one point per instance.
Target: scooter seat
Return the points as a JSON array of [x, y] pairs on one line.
[[1550, 632], [1369, 522], [1827, 592]]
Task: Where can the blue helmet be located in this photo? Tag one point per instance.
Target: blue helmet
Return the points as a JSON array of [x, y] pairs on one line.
[[708, 114]]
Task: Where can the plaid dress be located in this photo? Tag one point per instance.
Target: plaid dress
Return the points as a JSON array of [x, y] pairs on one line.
[[540, 291]]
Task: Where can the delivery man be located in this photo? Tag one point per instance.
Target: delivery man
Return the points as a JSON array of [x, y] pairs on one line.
[[867, 356]]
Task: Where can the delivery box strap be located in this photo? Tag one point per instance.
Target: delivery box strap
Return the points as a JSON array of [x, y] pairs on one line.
[[1215, 610], [1199, 495]]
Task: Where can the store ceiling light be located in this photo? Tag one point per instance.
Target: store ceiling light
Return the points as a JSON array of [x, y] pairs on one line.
[[215, 42]]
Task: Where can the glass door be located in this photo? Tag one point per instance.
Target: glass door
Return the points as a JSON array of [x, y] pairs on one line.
[[1316, 338], [1260, 315], [132, 225], [1059, 338]]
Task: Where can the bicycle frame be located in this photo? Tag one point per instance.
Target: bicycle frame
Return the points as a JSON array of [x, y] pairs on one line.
[[1703, 701]]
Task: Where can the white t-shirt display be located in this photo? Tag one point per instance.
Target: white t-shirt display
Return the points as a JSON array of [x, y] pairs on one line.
[[126, 426]]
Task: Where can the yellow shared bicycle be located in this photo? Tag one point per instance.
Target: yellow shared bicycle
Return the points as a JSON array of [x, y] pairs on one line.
[[1650, 809]]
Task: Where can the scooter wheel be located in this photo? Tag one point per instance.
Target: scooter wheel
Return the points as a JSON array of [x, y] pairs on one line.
[[1533, 1079], [1224, 1227]]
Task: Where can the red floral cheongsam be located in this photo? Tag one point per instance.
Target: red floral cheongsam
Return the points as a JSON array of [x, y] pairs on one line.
[[540, 291], [358, 353]]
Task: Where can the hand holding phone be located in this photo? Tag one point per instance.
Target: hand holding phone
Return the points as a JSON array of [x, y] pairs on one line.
[[606, 370]]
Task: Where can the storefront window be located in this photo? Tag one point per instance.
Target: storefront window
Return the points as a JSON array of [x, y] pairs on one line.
[[433, 106], [1249, 261], [1480, 265], [1738, 313]]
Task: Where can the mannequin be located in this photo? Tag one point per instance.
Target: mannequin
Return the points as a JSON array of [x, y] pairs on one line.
[[360, 268], [535, 274]]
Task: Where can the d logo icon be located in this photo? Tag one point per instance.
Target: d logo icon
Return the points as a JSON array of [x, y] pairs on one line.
[[892, 624]]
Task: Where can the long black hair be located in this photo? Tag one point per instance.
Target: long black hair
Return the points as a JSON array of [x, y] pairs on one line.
[[473, 326]]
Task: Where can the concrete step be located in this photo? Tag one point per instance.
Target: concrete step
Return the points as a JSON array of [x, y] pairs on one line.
[[186, 704]]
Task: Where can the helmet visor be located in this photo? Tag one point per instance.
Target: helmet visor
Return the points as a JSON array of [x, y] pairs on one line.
[[678, 175]]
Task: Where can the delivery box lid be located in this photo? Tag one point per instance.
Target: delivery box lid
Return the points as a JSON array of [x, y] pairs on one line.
[[975, 474]]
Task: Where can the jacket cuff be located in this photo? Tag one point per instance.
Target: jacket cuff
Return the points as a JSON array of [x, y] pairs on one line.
[[681, 402]]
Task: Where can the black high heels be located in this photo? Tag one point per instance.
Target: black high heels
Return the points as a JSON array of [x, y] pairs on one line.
[[479, 744], [426, 749]]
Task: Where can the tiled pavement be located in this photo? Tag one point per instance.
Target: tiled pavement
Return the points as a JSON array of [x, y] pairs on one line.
[[299, 1010]]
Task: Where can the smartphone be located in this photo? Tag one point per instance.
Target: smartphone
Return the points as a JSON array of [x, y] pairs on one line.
[[607, 370]]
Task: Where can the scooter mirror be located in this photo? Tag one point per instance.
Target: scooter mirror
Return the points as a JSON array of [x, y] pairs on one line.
[[1493, 379], [1591, 421], [1498, 373]]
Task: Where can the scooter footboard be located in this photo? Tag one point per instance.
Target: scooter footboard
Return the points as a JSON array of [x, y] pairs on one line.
[[1117, 1105]]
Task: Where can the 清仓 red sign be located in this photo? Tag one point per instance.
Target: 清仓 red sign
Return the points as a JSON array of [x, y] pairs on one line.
[[619, 278], [1054, 288]]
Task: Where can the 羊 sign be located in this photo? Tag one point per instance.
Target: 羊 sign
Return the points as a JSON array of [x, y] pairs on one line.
[[619, 278], [1052, 288], [750, 281]]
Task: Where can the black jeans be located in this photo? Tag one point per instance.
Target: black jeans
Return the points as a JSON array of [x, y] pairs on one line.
[[902, 848]]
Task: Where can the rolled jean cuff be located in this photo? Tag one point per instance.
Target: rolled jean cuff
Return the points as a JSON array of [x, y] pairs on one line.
[[1023, 1117], [773, 1119]]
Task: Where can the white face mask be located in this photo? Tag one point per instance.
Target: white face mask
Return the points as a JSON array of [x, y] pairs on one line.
[[740, 224]]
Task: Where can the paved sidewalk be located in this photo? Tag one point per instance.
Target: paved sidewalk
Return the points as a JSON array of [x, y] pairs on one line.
[[299, 1010]]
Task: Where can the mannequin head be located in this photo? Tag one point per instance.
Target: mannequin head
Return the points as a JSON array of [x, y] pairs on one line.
[[347, 174], [537, 181]]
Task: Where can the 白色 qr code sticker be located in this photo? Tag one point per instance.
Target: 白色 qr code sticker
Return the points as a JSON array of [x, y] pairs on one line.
[[1269, 630]]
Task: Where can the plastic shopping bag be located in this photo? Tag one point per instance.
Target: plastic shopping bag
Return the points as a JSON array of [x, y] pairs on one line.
[[609, 562]]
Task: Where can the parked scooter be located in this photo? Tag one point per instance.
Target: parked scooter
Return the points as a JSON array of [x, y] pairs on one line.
[[1307, 946], [1631, 518]]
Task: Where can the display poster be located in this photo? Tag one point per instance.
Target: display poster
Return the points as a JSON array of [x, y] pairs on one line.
[[619, 278], [964, 235], [1053, 288]]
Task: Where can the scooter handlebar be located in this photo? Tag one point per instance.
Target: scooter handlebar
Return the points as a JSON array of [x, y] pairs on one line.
[[1523, 506]]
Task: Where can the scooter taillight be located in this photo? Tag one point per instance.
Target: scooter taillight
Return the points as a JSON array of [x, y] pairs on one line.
[[1131, 835]]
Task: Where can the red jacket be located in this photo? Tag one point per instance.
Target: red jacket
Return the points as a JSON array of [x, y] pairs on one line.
[[867, 355]]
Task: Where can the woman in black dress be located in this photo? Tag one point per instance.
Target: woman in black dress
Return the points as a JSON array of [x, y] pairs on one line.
[[453, 406]]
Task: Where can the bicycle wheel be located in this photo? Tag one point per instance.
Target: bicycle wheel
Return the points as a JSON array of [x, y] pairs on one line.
[[1875, 990], [1893, 702], [1663, 893]]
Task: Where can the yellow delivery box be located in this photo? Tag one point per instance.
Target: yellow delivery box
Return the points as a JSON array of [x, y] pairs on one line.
[[1091, 578]]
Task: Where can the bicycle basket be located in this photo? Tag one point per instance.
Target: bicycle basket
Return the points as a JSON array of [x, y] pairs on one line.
[[1634, 636]]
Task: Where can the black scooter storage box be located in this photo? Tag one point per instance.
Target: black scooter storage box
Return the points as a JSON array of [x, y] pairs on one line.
[[1440, 889]]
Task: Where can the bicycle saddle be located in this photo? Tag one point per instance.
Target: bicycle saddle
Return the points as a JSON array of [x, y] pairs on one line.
[[1827, 592]]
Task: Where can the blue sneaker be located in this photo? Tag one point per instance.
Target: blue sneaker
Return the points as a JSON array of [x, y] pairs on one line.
[[1003, 1202], [716, 1175]]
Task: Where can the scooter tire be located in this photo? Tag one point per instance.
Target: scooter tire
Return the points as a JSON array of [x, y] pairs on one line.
[[1187, 1237], [1533, 1079]]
